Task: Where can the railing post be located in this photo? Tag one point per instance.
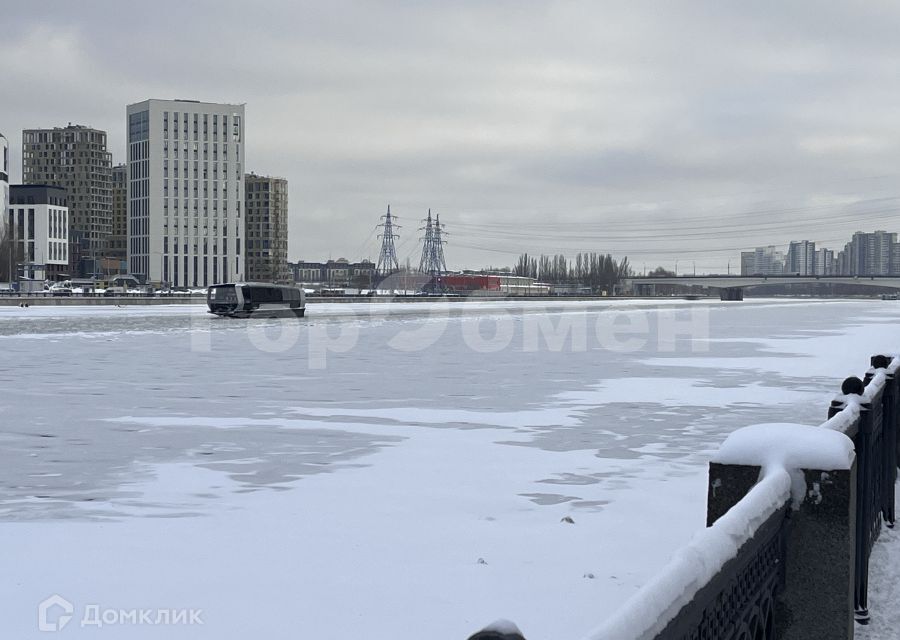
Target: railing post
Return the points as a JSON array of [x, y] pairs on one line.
[[868, 505], [891, 436], [816, 601]]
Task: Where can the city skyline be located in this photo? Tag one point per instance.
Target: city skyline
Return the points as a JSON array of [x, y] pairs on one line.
[[590, 127]]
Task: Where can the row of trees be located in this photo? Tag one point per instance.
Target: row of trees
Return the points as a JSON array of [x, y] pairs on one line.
[[595, 270]]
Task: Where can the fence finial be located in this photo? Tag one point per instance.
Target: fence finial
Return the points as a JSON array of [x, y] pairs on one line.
[[499, 630], [853, 386]]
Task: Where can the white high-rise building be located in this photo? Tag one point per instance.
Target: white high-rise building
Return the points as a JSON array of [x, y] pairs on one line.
[[186, 191]]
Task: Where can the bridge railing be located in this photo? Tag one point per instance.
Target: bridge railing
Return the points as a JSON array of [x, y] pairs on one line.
[[792, 514]]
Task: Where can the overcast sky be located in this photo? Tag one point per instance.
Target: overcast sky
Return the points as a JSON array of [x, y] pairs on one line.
[[660, 131]]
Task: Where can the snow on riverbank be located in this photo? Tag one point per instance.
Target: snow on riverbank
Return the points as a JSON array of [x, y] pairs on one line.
[[884, 588]]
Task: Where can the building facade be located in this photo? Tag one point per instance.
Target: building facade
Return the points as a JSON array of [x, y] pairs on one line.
[[38, 222], [748, 261], [334, 273], [868, 254], [825, 262], [6, 268], [75, 158], [801, 258], [4, 174], [185, 191], [895, 260], [767, 261], [118, 239], [266, 229]]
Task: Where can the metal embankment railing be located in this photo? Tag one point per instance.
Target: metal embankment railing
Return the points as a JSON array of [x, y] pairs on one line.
[[874, 435], [786, 553], [739, 601], [889, 455]]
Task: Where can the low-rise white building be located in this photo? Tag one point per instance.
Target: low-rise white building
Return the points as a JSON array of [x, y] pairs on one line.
[[38, 222]]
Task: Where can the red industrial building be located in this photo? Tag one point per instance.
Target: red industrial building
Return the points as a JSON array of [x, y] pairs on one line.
[[499, 284]]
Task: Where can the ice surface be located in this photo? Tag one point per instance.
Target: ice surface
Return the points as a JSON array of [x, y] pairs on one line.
[[648, 612], [356, 500]]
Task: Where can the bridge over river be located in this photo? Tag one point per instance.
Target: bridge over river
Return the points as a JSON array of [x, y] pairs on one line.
[[732, 287]]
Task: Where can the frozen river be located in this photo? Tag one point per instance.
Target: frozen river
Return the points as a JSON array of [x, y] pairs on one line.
[[395, 473]]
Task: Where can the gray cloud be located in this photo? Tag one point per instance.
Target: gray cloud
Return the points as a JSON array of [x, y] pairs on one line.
[[553, 119]]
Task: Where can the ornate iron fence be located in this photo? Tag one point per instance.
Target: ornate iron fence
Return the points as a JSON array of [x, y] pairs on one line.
[[874, 438], [739, 602], [890, 428]]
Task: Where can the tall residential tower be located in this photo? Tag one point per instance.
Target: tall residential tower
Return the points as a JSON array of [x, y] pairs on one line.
[[801, 258], [117, 250], [266, 215], [75, 158], [185, 191]]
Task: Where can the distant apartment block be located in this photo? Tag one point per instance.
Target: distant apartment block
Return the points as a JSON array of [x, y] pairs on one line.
[[38, 223], [75, 158], [895, 259], [748, 260], [762, 261], [867, 254], [801, 258], [825, 262], [186, 191], [266, 229], [335, 273]]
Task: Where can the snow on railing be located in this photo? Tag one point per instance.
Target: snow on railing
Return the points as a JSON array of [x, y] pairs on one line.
[[780, 450]]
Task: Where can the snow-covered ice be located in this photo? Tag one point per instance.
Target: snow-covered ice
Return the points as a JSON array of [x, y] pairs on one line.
[[158, 458], [647, 613]]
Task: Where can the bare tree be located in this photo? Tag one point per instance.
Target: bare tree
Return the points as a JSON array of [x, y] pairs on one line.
[[594, 270]]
